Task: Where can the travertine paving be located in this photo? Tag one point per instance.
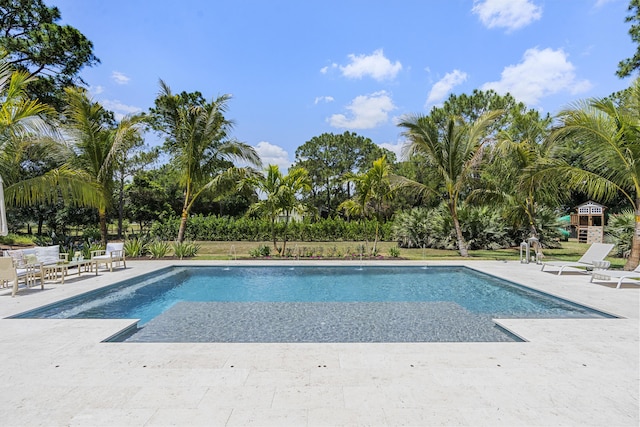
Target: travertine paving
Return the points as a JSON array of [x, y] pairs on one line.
[[569, 372]]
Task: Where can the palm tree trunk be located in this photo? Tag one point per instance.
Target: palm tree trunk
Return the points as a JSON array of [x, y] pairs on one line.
[[634, 257], [462, 246], [284, 237], [273, 235], [375, 240], [102, 214], [183, 226]]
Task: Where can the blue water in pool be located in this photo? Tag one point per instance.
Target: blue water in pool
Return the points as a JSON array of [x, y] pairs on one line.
[[309, 304]]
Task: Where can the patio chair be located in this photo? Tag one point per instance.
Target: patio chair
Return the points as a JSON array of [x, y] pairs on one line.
[[606, 275], [9, 273], [596, 252], [113, 254]]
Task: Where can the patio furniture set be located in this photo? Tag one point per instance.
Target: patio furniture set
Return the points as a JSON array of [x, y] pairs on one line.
[[47, 263]]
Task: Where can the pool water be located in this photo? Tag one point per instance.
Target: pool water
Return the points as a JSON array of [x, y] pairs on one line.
[[316, 304]]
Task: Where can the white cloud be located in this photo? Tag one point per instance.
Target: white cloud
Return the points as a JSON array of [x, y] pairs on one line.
[[600, 3], [367, 111], [273, 155], [119, 109], [509, 14], [375, 65], [442, 87], [96, 90], [325, 70], [396, 148], [119, 78], [541, 73], [320, 99]]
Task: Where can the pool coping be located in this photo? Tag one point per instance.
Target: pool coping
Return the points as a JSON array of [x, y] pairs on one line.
[[570, 371]]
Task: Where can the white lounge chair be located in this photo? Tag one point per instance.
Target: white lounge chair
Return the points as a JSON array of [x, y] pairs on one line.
[[9, 273], [113, 254], [596, 253], [607, 275]]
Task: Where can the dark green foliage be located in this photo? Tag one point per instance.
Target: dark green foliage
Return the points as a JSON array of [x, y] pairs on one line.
[[34, 42], [216, 228], [483, 228], [328, 158], [627, 66]]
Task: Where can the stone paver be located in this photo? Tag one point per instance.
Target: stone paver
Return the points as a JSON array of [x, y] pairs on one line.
[[569, 372]]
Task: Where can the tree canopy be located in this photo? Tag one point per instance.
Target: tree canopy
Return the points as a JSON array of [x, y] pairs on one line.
[[627, 66], [37, 44]]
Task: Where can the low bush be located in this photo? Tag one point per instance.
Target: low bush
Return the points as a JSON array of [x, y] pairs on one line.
[[186, 249], [158, 248]]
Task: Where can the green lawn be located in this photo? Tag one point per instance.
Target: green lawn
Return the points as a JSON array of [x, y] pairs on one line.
[[570, 251]]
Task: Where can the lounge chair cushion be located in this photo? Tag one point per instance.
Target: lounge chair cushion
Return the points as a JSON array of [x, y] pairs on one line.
[[48, 254], [112, 247], [18, 258]]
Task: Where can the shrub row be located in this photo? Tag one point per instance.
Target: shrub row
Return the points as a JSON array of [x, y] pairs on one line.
[[216, 228]]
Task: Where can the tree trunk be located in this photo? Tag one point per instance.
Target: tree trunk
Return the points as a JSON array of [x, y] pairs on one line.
[[462, 246], [120, 208], [183, 226], [103, 226], [375, 240], [284, 238], [273, 235], [634, 257]]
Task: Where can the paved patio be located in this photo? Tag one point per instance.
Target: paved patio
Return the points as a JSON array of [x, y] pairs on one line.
[[569, 372]]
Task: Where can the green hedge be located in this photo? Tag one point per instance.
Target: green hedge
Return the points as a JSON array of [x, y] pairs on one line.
[[216, 228]]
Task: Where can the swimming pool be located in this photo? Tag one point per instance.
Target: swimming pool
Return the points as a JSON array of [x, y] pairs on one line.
[[315, 304]]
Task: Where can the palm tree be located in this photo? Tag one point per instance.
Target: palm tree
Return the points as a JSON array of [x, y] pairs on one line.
[[608, 133], [511, 175], [453, 148], [199, 145], [25, 133], [96, 143], [281, 197], [373, 189]]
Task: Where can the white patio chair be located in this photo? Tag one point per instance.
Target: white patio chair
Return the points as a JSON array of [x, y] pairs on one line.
[[607, 275], [9, 273], [596, 252], [113, 254]]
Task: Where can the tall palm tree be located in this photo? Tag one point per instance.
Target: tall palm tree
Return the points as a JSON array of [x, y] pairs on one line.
[[197, 139], [608, 133], [373, 189], [280, 197], [453, 148], [96, 142], [25, 131]]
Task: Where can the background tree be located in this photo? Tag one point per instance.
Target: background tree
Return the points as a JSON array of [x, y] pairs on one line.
[[132, 157], [147, 200], [373, 192], [608, 134], [627, 66], [281, 197], [328, 158], [510, 175], [35, 43], [97, 142], [454, 149], [198, 142]]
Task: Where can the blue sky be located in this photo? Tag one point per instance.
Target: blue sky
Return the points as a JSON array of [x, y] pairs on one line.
[[297, 69]]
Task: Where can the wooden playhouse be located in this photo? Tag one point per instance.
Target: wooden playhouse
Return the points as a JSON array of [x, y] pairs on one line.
[[588, 222]]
